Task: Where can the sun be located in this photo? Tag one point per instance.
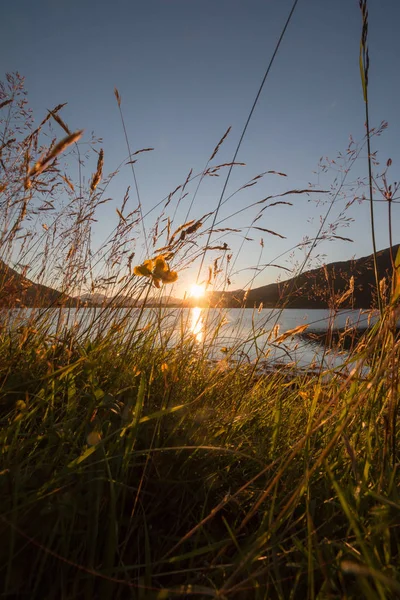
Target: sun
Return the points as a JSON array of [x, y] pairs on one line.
[[197, 291]]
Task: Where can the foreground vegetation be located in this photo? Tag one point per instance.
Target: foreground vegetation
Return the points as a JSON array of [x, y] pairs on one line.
[[151, 473], [133, 465]]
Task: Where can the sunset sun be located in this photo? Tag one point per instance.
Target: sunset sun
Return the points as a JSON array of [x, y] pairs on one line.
[[197, 291]]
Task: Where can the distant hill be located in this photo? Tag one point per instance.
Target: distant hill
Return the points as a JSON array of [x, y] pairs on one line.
[[127, 301], [16, 291], [19, 291], [102, 300], [317, 288], [312, 289], [93, 299]]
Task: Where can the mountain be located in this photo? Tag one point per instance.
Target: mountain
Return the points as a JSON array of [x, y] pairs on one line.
[[318, 288], [165, 301], [127, 301], [16, 290], [93, 299]]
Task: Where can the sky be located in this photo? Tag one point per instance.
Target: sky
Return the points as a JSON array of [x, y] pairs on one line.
[[186, 70]]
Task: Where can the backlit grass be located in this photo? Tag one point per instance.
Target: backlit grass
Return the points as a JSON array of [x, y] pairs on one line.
[[133, 465]]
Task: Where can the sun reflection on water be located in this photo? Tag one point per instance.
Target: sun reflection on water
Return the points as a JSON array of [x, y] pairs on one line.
[[197, 323]]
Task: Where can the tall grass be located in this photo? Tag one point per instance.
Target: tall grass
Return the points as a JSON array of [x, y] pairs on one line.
[[133, 466], [149, 472]]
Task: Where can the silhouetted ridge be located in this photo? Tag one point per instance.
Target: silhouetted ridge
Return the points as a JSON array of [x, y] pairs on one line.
[[318, 288]]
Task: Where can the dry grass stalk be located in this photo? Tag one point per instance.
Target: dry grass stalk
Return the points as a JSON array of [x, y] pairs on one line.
[[221, 141], [59, 148], [118, 97], [99, 172], [58, 119]]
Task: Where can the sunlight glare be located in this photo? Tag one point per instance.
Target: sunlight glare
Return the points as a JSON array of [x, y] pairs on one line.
[[197, 291], [196, 324]]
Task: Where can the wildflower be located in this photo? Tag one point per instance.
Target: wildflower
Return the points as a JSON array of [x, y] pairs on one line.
[[145, 269], [158, 269], [169, 276]]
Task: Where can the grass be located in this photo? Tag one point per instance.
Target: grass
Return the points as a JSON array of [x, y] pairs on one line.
[[145, 473], [133, 466]]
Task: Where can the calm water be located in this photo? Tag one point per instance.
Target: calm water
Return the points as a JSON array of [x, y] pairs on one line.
[[237, 334]]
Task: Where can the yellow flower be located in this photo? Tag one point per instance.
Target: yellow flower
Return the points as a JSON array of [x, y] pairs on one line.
[[160, 267], [145, 269], [158, 270], [169, 277]]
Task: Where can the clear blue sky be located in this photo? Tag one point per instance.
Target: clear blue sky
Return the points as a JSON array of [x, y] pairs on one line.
[[188, 69]]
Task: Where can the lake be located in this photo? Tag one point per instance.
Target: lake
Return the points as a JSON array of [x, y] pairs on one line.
[[222, 334]]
